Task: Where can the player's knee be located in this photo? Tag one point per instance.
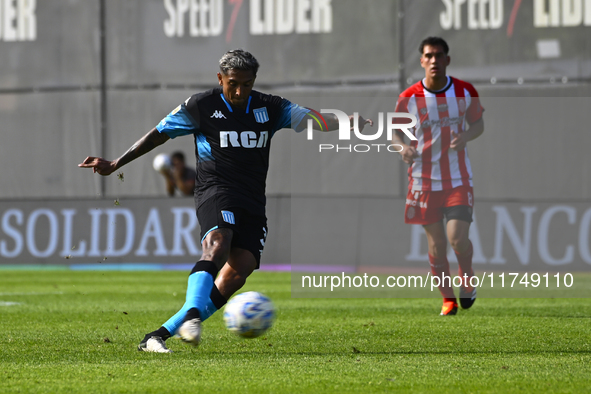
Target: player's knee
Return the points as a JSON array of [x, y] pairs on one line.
[[438, 248], [218, 238], [459, 243], [216, 246]]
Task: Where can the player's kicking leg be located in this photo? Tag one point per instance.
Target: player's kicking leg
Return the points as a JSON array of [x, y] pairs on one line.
[[216, 251], [238, 249], [231, 278], [155, 340], [202, 299]]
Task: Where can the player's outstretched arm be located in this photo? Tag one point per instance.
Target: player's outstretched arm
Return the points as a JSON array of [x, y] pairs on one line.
[[145, 144]]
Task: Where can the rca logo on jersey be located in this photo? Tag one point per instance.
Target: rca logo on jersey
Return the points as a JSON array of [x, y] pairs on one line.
[[218, 115], [244, 139]]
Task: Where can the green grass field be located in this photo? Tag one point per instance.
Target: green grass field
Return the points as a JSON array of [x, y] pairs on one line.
[[77, 332]]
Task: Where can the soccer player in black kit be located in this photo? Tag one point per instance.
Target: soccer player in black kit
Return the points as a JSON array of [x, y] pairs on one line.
[[232, 126]]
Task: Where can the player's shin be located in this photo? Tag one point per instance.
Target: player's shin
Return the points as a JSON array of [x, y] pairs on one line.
[[467, 292], [201, 281], [440, 268], [465, 261]]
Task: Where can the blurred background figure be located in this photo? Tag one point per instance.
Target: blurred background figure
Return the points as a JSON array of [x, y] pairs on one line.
[[178, 176]]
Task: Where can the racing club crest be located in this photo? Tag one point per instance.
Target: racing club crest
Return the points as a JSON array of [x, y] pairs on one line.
[[260, 115]]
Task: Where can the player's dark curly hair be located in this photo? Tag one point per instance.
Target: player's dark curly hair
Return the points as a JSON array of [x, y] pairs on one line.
[[238, 59], [434, 41]]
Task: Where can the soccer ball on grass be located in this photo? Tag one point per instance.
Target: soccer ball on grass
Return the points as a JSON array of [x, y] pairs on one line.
[[249, 314]]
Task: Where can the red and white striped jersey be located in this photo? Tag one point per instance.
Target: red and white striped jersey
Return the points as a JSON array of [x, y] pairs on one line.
[[439, 114]]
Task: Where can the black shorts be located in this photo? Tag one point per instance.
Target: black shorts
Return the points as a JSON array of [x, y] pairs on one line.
[[250, 231], [459, 212]]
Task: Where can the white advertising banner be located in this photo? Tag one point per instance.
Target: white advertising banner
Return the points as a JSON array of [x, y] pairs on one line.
[[331, 232]]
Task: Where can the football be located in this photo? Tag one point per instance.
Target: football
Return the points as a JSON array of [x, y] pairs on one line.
[[161, 162], [249, 314]]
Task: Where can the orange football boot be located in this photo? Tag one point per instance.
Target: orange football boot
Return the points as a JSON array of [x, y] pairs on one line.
[[449, 308]]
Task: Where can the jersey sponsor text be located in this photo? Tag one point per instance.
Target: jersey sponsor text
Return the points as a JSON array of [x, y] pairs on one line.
[[244, 139]]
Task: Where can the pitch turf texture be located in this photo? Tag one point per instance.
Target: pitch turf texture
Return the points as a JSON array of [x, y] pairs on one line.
[[77, 332]]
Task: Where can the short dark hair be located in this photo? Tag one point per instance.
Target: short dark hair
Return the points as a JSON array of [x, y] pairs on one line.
[[178, 155], [434, 41], [238, 59]]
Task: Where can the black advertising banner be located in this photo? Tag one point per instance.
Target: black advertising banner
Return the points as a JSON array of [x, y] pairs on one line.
[[48, 44], [504, 40], [181, 41]]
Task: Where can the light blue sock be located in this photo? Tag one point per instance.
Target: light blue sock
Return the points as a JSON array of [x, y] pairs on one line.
[[198, 291], [173, 324], [210, 309]]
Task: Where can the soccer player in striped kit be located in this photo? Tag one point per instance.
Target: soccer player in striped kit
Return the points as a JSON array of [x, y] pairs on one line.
[[440, 177]]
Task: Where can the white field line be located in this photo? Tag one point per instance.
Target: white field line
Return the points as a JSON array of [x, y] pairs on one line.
[[31, 293]]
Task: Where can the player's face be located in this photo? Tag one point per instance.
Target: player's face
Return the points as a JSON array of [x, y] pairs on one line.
[[434, 61], [237, 85]]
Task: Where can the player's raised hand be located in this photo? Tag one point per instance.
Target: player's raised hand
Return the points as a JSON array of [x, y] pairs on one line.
[[458, 142], [99, 165]]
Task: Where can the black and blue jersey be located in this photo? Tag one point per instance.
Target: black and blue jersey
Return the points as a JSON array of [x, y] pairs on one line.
[[232, 144]]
